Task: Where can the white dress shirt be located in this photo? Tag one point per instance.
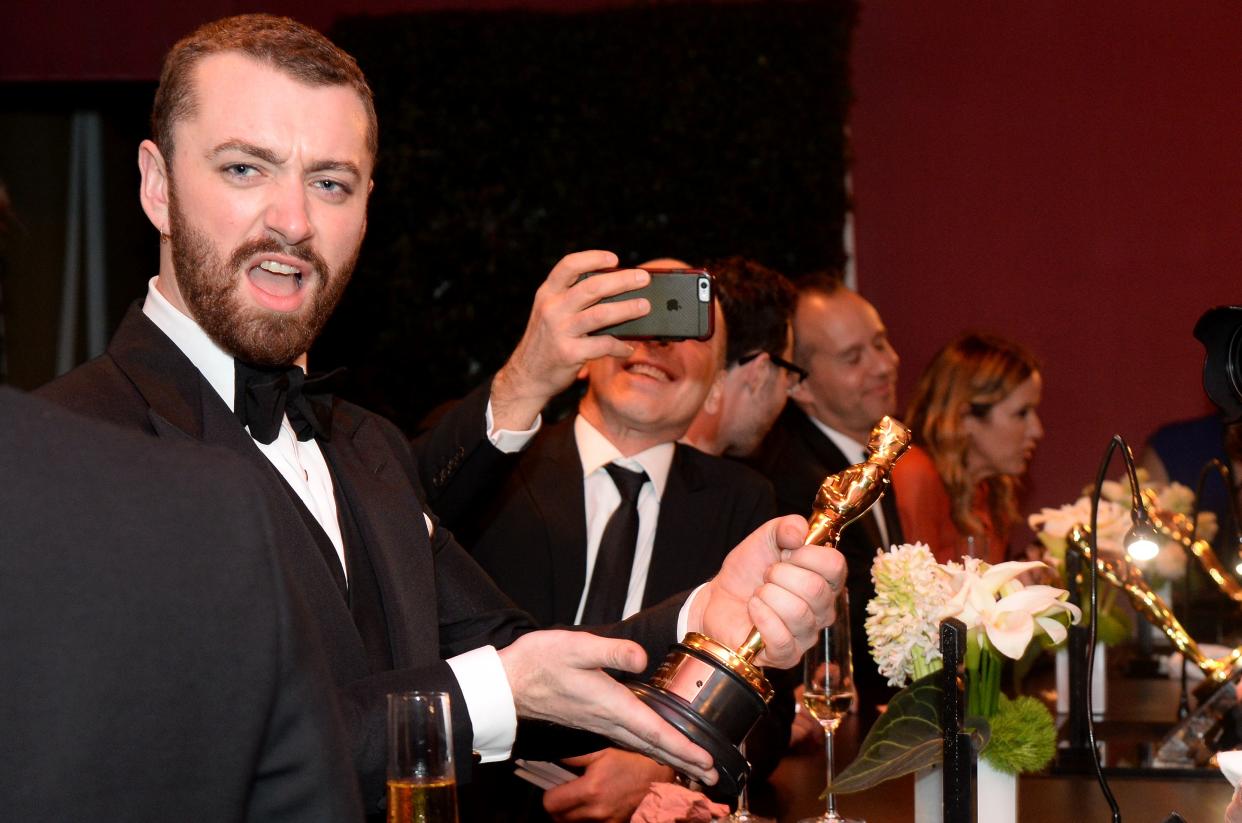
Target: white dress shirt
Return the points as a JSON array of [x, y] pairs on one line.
[[854, 452], [479, 672], [602, 499]]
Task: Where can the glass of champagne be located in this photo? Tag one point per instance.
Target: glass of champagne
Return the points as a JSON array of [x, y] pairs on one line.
[[422, 785], [828, 690]]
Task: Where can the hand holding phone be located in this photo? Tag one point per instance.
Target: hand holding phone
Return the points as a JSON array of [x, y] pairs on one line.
[[682, 306]]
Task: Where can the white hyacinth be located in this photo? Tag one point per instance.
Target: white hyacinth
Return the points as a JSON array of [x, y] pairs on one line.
[[902, 625]]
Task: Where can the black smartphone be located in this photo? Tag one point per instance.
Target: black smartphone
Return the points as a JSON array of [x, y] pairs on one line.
[[683, 306]]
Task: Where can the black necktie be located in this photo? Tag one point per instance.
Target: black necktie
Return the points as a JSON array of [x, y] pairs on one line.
[[262, 397], [610, 581]]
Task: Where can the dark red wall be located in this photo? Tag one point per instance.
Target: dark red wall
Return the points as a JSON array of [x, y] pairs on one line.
[[1066, 173], [127, 39]]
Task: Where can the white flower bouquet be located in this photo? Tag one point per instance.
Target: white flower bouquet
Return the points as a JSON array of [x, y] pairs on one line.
[[1003, 616]]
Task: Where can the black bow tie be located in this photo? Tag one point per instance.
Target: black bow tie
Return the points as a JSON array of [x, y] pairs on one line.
[[262, 396]]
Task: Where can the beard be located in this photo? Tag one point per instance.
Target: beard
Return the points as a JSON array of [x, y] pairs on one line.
[[209, 285]]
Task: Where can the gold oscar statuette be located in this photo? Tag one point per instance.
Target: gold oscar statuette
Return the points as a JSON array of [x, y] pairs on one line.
[[715, 694], [1178, 527], [1151, 606]]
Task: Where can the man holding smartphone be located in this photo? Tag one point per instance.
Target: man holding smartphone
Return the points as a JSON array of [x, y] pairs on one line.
[[548, 532]]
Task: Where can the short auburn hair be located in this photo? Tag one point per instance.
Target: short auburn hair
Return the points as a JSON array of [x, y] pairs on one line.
[[297, 50]]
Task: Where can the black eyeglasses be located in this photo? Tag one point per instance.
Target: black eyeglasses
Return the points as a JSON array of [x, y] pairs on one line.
[[797, 371]]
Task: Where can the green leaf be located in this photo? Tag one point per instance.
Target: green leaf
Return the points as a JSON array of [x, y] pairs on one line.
[[905, 738]]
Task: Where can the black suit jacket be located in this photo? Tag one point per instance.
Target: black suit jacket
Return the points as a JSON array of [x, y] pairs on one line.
[[530, 535], [523, 518], [796, 456], [154, 662], [436, 600]]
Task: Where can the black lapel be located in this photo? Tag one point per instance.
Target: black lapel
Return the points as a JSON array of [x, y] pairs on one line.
[[863, 535], [891, 518], [386, 511], [552, 474], [183, 405], [678, 530]]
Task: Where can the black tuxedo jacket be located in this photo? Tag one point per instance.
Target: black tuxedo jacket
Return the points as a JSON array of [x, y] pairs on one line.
[[437, 602], [154, 663], [796, 456], [530, 533], [523, 518]]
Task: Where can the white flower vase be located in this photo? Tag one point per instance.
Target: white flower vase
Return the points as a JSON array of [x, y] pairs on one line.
[[996, 795], [1099, 682]]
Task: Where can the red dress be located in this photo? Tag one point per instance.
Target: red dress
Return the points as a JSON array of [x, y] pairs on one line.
[[926, 512]]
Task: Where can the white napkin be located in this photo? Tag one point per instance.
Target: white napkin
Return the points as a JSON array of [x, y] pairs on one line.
[[1231, 766]]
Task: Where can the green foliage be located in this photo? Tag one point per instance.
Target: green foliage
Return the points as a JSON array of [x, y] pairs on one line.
[[906, 738], [508, 139], [1024, 738]]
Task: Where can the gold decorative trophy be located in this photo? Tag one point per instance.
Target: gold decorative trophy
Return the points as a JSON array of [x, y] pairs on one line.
[[714, 694], [1151, 606], [1179, 528]]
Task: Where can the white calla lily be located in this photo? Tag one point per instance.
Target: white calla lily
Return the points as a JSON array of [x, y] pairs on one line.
[[1010, 622]]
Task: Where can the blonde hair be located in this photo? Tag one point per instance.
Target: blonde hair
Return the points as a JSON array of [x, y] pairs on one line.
[[968, 377]]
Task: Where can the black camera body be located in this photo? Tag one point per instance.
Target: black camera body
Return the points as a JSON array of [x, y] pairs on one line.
[[1220, 332]]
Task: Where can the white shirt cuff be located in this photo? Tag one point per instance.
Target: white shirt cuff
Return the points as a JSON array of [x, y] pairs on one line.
[[683, 616], [489, 700], [509, 441]]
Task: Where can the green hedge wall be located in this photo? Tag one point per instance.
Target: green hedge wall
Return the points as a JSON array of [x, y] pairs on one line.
[[509, 139]]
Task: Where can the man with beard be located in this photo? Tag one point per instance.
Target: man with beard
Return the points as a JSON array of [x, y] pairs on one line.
[[257, 180], [851, 383]]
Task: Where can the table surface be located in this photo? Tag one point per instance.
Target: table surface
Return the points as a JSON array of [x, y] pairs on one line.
[[793, 790]]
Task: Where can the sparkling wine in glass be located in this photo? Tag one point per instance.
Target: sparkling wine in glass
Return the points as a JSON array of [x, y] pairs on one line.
[[828, 691], [422, 783]]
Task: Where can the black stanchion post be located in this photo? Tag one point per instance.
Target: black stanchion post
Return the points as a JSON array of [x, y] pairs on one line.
[[958, 757], [1077, 755]]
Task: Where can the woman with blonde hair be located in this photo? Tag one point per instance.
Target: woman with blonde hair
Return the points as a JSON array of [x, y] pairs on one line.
[[975, 427]]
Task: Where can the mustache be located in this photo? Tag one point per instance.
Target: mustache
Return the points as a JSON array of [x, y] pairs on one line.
[[267, 245]]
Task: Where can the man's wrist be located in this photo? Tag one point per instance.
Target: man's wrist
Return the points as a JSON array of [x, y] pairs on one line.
[[514, 409], [690, 617]]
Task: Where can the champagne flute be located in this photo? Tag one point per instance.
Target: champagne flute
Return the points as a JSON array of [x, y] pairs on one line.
[[828, 691], [422, 783], [743, 813]]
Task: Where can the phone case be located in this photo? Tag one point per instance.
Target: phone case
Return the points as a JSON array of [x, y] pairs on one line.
[[682, 307]]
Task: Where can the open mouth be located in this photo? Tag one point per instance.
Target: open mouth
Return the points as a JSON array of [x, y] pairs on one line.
[[278, 284], [650, 370]]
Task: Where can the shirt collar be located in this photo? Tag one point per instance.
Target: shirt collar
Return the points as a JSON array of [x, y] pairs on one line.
[[596, 451], [214, 362], [854, 451]]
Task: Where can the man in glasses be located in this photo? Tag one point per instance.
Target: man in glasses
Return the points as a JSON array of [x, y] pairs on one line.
[[756, 304], [851, 383]]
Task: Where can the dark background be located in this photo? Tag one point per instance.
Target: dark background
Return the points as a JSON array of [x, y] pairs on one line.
[[690, 132]]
